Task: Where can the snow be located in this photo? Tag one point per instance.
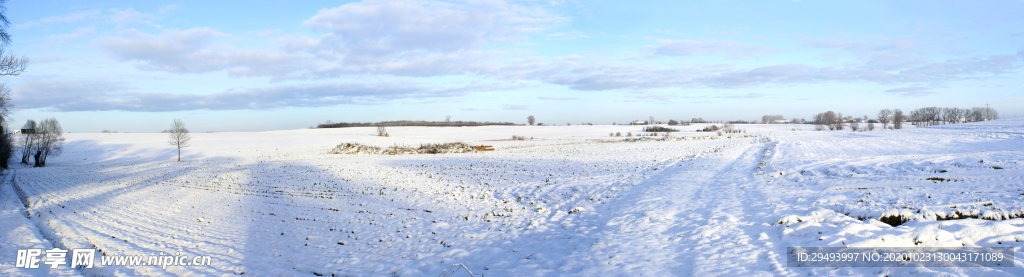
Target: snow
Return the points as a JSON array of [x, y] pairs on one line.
[[569, 200]]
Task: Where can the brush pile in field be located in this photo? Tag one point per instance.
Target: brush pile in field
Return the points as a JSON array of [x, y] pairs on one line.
[[427, 148]]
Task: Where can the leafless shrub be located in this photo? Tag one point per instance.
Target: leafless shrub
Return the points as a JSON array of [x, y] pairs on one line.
[[730, 128], [382, 130], [515, 137], [629, 134], [618, 134], [854, 125], [871, 126], [711, 128]]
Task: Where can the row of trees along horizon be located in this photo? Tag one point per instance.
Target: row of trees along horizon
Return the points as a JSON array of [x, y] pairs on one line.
[[922, 117], [833, 121]]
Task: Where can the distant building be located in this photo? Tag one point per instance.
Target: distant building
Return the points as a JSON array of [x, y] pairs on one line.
[[638, 122], [781, 121]]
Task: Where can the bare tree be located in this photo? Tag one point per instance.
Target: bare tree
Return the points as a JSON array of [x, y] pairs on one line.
[[6, 146], [830, 119], [448, 120], [179, 136], [771, 119], [6, 138], [30, 140], [897, 119], [50, 141], [884, 116], [10, 65], [530, 119], [652, 120]]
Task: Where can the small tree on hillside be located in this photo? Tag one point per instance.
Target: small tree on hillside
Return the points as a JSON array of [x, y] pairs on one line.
[[179, 136], [530, 119]]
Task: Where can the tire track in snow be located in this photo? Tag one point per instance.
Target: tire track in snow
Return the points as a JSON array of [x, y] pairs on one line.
[[695, 219]]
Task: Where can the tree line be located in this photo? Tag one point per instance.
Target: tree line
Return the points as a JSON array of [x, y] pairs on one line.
[[934, 115], [410, 123], [921, 117]]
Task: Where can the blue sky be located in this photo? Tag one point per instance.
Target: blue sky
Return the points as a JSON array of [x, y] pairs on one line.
[[134, 66]]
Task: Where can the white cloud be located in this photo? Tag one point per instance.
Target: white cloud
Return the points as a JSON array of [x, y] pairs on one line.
[[84, 95], [557, 98], [423, 39], [168, 8], [77, 34], [708, 47], [381, 27], [567, 35], [266, 32], [401, 38], [910, 91], [511, 107], [129, 16], [188, 51], [63, 19]]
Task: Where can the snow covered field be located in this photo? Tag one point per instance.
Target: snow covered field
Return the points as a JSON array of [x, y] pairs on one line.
[[571, 201]]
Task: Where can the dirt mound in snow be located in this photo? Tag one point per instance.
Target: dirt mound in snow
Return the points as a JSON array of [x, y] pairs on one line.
[[428, 148], [671, 138]]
